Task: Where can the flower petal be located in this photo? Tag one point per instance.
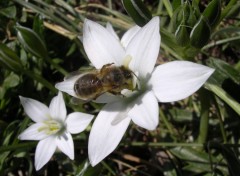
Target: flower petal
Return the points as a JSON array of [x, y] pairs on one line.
[[57, 108], [128, 36], [68, 85], [111, 30], [104, 136], [44, 151], [177, 80], [65, 144], [107, 98], [100, 45], [36, 110], [33, 132], [78, 121], [144, 48], [145, 111]]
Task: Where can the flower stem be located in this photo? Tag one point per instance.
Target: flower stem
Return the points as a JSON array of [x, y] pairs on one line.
[[205, 104], [220, 117]]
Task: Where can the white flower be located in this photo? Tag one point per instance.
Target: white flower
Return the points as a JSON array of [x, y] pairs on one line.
[[52, 127], [138, 49]]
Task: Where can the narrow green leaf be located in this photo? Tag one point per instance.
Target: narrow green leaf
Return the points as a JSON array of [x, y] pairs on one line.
[[38, 26], [222, 94], [181, 115], [177, 17], [190, 154], [31, 42], [228, 8], [182, 35], [138, 11], [168, 6], [192, 18], [224, 70], [212, 12], [195, 8], [11, 81], [9, 59], [233, 162], [234, 10], [9, 12], [205, 97], [176, 4], [200, 33]]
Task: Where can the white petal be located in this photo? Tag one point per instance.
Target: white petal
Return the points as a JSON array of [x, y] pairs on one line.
[[78, 121], [107, 98], [57, 107], [104, 136], [144, 48], [33, 132], [65, 144], [145, 111], [68, 86], [36, 110], [44, 151], [80, 38], [128, 36], [100, 45], [177, 80], [111, 30]]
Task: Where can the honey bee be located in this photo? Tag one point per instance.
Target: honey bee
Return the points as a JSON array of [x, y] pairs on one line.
[[109, 78]]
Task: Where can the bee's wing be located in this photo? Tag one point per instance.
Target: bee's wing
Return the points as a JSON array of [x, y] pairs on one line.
[[80, 72], [73, 74], [77, 101]]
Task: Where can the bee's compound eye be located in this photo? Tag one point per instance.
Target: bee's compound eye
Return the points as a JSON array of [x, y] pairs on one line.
[[128, 75]]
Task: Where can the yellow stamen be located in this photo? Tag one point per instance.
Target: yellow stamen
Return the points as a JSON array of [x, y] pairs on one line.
[[126, 61], [51, 127]]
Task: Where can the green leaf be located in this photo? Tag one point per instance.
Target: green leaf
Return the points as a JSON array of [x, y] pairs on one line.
[[228, 8], [168, 7], [11, 81], [212, 12], [224, 71], [234, 10], [176, 4], [182, 35], [190, 154], [38, 26], [233, 162], [138, 11], [31, 42], [177, 17], [9, 59], [223, 95], [9, 12], [181, 115], [200, 33], [192, 18]]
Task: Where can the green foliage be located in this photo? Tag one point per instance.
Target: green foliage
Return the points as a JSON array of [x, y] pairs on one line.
[[212, 12], [197, 136], [31, 42], [200, 33], [9, 59], [138, 11]]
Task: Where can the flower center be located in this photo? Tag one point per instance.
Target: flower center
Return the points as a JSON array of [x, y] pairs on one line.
[[51, 127]]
